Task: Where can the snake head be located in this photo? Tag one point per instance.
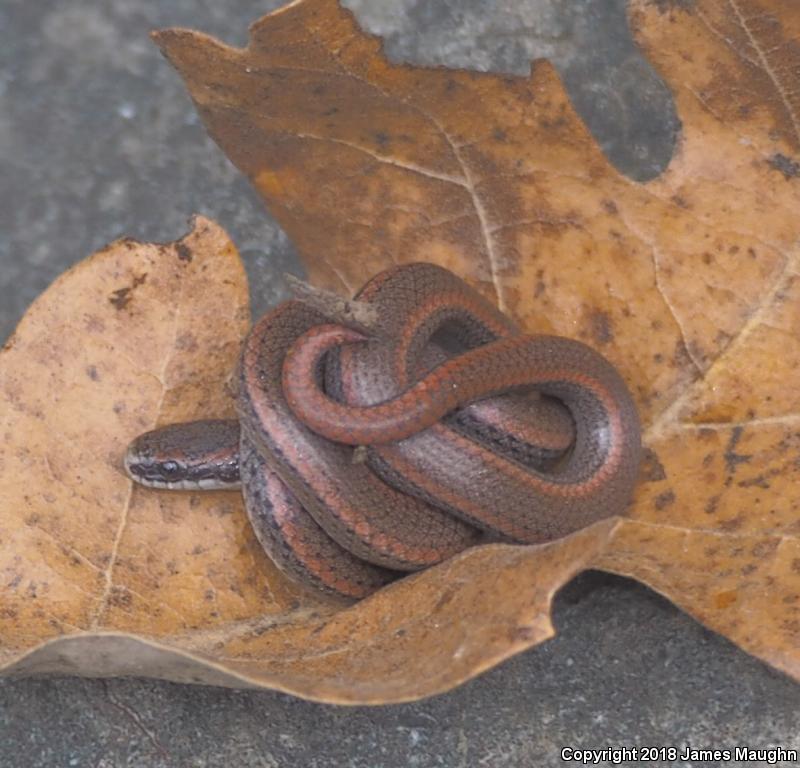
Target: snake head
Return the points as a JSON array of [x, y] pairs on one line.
[[196, 455]]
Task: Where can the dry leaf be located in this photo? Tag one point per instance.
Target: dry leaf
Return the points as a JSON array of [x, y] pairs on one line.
[[688, 283], [102, 578]]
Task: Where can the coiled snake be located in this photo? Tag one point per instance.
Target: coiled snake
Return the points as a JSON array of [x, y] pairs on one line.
[[364, 455]]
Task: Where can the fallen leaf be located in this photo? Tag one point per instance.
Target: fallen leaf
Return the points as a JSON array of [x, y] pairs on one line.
[[102, 578], [688, 283]]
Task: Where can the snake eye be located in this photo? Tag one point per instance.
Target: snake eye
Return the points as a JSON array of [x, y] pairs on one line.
[[170, 468]]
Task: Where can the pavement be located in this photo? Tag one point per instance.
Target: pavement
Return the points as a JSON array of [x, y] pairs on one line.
[[98, 139]]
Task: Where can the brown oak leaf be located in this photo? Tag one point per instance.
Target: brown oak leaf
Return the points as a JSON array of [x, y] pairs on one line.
[[689, 283]]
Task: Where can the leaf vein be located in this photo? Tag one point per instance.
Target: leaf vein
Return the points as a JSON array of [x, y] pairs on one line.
[[767, 67], [102, 604]]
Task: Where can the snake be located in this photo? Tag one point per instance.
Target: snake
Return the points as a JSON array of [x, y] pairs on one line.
[[364, 454]]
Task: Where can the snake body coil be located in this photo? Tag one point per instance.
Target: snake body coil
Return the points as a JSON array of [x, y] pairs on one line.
[[365, 455]]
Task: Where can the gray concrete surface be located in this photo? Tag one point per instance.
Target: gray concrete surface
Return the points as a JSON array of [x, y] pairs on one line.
[[98, 139]]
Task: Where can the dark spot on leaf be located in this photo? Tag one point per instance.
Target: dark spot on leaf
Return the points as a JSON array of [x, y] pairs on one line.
[[610, 207], [711, 505], [652, 470], [760, 481], [186, 342], [732, 525], [722, 338], [91, 372], [764, 548], [791, 626], [681, 357], [184, 252], [788, 167], [664, 500], [120, 597], [523, 634], [601, 328], [733, 459], [122, 296]]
